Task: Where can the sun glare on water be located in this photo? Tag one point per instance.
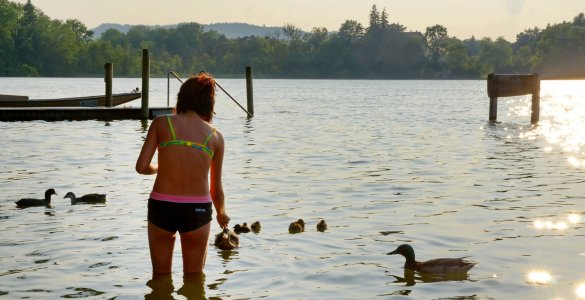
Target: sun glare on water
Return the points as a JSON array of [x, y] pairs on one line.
[[539, 277], [580, 291], [572, 219], [562, 119]]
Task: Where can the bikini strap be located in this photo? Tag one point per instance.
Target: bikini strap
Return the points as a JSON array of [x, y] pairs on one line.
[[209, 137], [171, 127]]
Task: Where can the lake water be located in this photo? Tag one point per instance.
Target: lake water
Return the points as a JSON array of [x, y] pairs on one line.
[[383, 162]]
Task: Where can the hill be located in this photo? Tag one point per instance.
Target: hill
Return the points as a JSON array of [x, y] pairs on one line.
[[230, 30]]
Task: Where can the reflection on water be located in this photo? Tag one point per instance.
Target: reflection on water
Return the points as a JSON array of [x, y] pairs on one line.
[[539, 277], [162, 287], [562, 119], [572, 219], [580, 291], [410, 277], [575, 218]]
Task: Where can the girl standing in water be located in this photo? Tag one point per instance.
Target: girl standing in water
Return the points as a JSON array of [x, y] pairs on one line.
[[188, 177]]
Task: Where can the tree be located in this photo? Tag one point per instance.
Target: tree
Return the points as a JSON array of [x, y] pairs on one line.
[[115, 37], [579, 20], [374, 20], [24, 39], [396, 27], [496, 56], [82, 34], [456, 59], [472, 46], [316, 37], [351, 30], [528, 37], [384, 24], [8, 26], [436, 39], [292, 32], [560, 50]]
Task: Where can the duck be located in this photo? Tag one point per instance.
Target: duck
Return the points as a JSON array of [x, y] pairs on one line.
[[437, 266], [321, 226], [28, 202], [297, 226], [227, 240], [241, 228], [256, 226], [88, 199]]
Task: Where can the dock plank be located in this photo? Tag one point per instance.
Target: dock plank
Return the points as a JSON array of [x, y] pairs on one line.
[[78, 113]]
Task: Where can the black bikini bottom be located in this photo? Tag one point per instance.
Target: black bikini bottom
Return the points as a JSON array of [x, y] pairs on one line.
[[181, 217]]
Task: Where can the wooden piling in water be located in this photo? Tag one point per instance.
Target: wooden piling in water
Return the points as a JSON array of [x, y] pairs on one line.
[[506, 85], [145, 87], [249, 91], [108, 79]]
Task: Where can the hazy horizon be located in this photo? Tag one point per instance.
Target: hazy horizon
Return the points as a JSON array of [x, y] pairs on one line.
[[462, 19]]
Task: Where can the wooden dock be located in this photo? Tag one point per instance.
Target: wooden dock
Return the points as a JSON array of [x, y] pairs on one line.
[[78, 113], [105, 111]]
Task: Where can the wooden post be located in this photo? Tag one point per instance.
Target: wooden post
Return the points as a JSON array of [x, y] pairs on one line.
[[493, 109], [249, 90], [514, 85], [535, 115], [145, 78], [493, 99], [108, 79]]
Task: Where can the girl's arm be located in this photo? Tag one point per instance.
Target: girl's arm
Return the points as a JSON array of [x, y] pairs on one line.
[[144, 163], [215, 186]]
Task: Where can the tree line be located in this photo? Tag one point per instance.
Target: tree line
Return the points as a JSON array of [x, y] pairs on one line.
[[32, 44]]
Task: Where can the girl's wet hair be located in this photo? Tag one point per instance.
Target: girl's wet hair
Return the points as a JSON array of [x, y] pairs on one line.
[[197, 94]]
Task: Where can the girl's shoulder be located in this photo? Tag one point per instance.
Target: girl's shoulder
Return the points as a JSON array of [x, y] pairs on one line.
[[160, 119]]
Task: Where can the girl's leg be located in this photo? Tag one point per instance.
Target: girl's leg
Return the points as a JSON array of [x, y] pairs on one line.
[[194, 248], [161, 244]]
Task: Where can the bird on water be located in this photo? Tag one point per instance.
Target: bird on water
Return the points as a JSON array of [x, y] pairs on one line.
[[227, 240], [86, 199], [256, 226], [438, 265], [28, 202], [322, 226], [241, 228], [297, 227]]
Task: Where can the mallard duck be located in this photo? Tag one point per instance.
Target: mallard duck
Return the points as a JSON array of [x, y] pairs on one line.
[[256, 226], [241, 228], [89, 198], [322, 226], [439, 265], [297, 226], [28, 202], [227, 240]]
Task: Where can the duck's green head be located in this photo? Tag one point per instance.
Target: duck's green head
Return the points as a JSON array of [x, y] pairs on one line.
[[404, 250]]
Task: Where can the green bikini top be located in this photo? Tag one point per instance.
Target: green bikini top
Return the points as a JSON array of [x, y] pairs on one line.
[[203, 147]]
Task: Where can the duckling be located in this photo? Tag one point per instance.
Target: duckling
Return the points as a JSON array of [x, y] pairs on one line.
[[297, 226], [322, 226], [87, 199], [256, 226], [439, 265], [227, 240], [302, 223], [28, 202], [241, 228]]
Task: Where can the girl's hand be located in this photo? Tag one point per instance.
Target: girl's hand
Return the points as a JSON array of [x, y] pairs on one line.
[[223, 219]]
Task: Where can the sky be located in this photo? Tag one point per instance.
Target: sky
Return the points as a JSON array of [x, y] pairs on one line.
[[462, 18]]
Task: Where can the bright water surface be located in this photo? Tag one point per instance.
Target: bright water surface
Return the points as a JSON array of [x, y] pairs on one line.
[[383, 162]]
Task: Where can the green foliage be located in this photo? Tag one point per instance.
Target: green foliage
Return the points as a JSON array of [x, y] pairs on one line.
[[32, 44], [9, 13]]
